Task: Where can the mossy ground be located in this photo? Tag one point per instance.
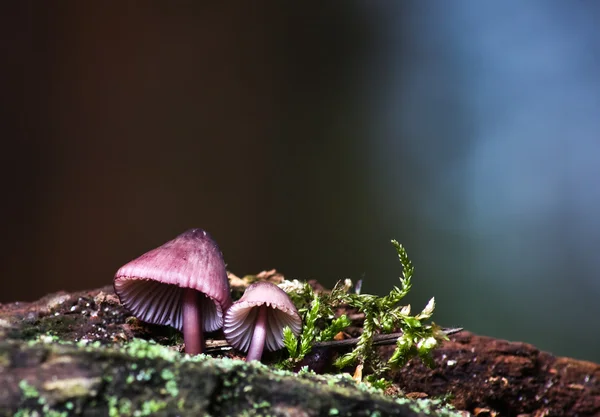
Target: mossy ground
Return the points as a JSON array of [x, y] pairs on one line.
[[81, 354], [143, 378], [72, 354]]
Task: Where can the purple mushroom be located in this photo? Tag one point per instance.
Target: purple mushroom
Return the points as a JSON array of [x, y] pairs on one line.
[[182, 284], [257, 319]]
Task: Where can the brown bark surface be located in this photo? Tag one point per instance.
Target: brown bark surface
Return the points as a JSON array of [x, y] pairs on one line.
[[476, 374], [506, 378]]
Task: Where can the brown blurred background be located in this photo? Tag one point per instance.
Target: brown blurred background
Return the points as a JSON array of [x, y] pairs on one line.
[[304, 137]]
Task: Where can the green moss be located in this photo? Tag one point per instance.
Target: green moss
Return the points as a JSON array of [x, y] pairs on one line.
[[54, 413], [237, 382], [382, 315], [48, 412], [181, 404], [158, 385], [145, 375], [171, 388], [262, 404], [150, 407], [125, 406], [29, 391], [4, 360], [167, 374], [429, 406], [56, 326], [66, 388], [113, 410]]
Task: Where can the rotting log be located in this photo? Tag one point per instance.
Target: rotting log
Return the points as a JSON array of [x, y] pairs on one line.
[[82, 354], [56, 379]]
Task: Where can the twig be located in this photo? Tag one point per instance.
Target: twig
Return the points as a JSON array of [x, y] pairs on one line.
[[378, 340]]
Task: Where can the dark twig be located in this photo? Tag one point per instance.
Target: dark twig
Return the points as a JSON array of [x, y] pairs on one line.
[[378, 340]]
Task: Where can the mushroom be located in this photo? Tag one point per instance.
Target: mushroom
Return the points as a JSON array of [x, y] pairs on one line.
[[182, 284], [258, 318]]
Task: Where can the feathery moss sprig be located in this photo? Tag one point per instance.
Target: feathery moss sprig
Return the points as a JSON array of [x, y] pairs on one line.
[[382, 315]]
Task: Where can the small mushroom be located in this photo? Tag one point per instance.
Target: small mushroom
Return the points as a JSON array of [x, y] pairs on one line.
[[258, 318], [182, 284]]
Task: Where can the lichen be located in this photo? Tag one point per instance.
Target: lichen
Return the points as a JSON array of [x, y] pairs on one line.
[[63, 389]]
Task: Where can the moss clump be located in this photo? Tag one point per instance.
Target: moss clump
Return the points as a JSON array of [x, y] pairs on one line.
[[181, 385], [52, 326], [382, 315], [65, 388], [29, 391]]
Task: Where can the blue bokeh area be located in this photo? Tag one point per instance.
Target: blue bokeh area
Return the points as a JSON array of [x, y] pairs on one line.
[[498, 107]]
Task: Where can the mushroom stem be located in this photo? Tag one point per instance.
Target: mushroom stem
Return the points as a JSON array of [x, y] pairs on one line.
[[192, 322], [258, 336]]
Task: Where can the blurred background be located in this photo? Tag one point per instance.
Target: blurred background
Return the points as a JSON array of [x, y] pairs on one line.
[[304, 137]]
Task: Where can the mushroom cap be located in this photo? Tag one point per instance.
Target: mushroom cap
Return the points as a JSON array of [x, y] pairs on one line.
[[152, 286], [241, 316]]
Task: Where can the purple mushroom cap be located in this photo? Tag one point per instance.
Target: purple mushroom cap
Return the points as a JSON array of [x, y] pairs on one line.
[[180, 282], [258, 318]]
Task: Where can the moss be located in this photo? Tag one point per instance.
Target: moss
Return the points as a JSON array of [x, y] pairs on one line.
[[171, 388], [142, 349], [181, 404], [125, 406], [121, 407], [429, 406], [143, 378], [54, 413], [145, 375], [4, 361], [53, 326], [150, 407], [167, 374], [63, 389], [262, 404], [29, 391], [113, 409], [27, 412]]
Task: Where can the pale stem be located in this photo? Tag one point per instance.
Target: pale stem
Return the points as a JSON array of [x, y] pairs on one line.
[[192, 322], [259, 336]]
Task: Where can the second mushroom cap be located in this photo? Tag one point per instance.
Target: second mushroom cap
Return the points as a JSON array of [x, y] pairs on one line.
[[241, 317]]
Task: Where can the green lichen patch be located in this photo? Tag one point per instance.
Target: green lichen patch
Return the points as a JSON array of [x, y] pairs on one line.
[[66, 388], [74, 378]]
